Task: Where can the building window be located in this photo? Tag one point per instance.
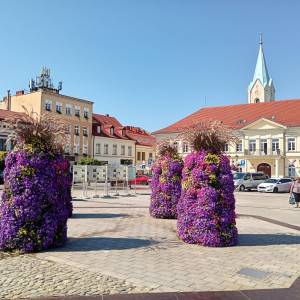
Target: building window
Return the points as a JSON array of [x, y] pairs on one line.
[[275, 146], [239, 146], [175, 146], [86, 113], [77, 111], [139, 156], [111, 131], [264, 146], [291, 144], [68, 129], [292, 171], [58, 107], [98, 148], [150, 155], [129, 150], [76, 149], [122, 150], [85, 149], [67, 149], [185, 148], [48, 105], [98, 129], [256, 100], [252, 146], [123, 132], [85, 131], [76, 130], [106, 149], [226, 147], [68, 110], [143, 156], [115, 150]]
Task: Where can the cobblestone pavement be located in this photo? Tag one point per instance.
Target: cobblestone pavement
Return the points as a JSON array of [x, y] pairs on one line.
[[115, 247]]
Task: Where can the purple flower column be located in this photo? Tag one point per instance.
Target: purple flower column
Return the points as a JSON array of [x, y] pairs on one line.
[[36, 202], [206, 209], [166, 187]]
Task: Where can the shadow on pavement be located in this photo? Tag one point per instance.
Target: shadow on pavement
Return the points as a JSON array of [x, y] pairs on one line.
[[104, 243], [97, 216], [267, 239]]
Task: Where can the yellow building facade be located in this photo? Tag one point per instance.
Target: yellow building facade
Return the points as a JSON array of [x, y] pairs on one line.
[[75, 112]]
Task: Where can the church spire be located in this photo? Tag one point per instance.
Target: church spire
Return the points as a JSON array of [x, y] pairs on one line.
[[261, 88]]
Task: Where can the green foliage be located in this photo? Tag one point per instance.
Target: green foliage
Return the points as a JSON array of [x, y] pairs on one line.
[[90, 161]]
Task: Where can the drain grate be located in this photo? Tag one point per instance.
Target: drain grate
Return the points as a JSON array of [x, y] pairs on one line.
[[254, 273]]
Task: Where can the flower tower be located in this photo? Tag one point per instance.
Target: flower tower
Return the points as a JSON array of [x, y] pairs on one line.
[[166, 182], [36, 201], [206, 209]]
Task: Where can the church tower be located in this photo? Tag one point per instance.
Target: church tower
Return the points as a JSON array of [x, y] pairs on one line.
[[261, 88]]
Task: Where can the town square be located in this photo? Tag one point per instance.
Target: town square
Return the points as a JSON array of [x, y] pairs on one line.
[[149, 150]]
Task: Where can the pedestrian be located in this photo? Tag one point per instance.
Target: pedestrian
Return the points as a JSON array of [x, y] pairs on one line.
[[295, 189]]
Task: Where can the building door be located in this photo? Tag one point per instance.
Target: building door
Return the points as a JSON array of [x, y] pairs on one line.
[[264, 168]]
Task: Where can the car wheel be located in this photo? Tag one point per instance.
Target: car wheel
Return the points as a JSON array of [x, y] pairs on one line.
[[275, 190], [242, 188]]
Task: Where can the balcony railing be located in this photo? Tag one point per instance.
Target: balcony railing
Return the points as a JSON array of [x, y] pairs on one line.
[[262, 152]]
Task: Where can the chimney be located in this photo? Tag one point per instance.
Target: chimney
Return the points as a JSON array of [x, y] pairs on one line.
[[107, 115], [8, 100]]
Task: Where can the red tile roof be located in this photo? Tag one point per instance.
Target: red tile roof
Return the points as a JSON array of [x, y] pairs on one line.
[[142, 137], [9, 114], [132, 133], [107, 120], [284, 112]]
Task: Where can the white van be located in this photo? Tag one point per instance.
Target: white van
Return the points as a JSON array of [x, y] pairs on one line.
[[248, 181]]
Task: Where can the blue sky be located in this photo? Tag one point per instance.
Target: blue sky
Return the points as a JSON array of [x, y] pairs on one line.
[[150, 63]]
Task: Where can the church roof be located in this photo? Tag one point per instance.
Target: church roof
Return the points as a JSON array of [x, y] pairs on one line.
[[261, 71], [284, 112]]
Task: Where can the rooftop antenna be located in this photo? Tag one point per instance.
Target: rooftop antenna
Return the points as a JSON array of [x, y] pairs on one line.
[[204, 100]]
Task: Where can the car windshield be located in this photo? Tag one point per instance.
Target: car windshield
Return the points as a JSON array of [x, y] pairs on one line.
[[238, 176], [271, 180]]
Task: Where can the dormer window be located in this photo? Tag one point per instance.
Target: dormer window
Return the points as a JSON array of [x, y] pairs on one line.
[[123, 132], [111, 131], [98, 129]]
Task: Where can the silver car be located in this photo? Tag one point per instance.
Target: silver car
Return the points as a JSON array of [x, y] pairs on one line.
[[275, 185], [248, 181]]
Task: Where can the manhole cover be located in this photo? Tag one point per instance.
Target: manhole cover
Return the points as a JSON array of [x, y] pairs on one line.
[[254, 273]]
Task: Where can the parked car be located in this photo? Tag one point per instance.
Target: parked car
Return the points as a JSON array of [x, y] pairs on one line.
[[140, 179], [248, 181], [275, 185]]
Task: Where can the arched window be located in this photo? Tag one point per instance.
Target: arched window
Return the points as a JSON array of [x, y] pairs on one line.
[[256, 100]]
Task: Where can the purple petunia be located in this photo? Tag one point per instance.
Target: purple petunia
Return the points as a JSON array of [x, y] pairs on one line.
[[166, 187], [206, 209], [36, 202]]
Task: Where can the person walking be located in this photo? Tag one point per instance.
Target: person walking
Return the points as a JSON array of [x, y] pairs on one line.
[[295, 189]]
